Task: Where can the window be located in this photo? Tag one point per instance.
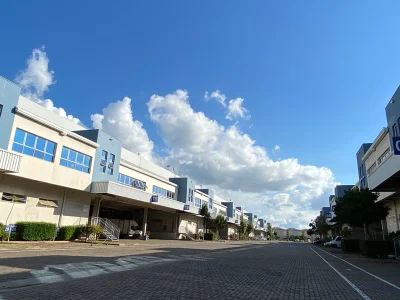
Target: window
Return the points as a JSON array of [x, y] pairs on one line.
[[110, 166], [75, 160], [163, 192], [33, 145], [127, 180], [190, 196], [371, 168], [1, 109], [47, 203], [394, 128], [197, 202], [103, 162], [210, 204], [384, 156], [13, 197]]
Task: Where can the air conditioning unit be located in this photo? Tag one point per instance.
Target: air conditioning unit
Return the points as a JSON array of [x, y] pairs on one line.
[[111, 165], [103, 162]]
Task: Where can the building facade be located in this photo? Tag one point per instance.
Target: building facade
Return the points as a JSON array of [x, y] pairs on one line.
[[54, 170]]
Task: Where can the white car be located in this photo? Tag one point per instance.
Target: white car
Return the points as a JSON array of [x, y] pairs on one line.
[[336, 242]]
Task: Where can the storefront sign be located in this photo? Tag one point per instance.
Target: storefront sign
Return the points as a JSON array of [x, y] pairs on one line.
[[186, 207], [11, 228], [154, 198]]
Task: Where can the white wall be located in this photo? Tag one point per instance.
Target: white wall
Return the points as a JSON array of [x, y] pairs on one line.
[[53, 173], [380, 149], [76, 208]]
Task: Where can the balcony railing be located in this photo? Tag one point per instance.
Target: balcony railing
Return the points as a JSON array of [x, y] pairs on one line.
[[9, 162]]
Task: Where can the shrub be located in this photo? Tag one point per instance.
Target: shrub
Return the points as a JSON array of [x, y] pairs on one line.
[[36, 231], [351, 245], [92, 232], [210, 236], [3, 233], [69, 233], [234, 237], [379, 249]]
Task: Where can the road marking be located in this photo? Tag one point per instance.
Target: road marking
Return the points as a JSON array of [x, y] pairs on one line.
[[377, 277], [343, 277]]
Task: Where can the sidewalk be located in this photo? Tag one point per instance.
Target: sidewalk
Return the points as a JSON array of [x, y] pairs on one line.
[[387, 269]]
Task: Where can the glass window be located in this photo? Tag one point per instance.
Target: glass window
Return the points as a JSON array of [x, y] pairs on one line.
[[30, 140], [1, 109], [127, 180], [50, 146], [395, 133], [110, 166], [75, 160], [19, 136]]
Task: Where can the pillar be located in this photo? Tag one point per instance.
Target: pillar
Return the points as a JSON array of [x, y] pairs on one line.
[[96, 207], [145, 213]]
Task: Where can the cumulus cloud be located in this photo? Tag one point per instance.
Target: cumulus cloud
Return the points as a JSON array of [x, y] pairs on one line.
[[236, 110], [216, 95], [227, 157], [117, 120], [36, 79]]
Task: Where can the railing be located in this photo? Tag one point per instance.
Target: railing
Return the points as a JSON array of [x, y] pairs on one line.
[[396, 243], [9, 161], [110, 230]]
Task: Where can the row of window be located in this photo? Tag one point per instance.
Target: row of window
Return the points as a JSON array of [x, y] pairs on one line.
[[384, 156], [190, 195], [163, 192], [41, 148], [371, 168], [127, 180]]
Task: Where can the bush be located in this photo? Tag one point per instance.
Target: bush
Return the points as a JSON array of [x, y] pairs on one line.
[[3, 233], [351, 245], [69, 233], [210, 236], [379, 249], [234, 237], [36, 231], [91, 232]]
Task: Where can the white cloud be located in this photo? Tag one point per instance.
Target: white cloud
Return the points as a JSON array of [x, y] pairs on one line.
[[277, 148], [232, 162], [117, 120], [36, 79], [236, 110], [217, 95]]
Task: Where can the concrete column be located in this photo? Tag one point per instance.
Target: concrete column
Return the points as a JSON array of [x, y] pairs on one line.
[[397, 216], [62, 208], [96, 208], [145, 213]]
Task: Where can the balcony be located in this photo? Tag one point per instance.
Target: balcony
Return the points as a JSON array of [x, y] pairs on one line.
[[9, 162], [386, 176]]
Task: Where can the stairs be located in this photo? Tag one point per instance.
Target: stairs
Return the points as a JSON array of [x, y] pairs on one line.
[[110, 230]]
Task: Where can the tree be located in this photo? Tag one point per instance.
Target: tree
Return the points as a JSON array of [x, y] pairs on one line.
[[270, 232], [206, 216], [220, 223], [287, 235], [249, 228], [313, 228], [275, 235], [321, 226], [359, 207], [243, 227]]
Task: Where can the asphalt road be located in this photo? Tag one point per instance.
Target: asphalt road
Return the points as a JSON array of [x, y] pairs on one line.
[[251, 271]]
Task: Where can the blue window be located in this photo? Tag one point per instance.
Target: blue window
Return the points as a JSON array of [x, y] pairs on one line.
[[197, 202], [110, 166], [75, 160], [33, 145], [1, 109], [103, 162], [127, 180], [163, 192], [210, 203]]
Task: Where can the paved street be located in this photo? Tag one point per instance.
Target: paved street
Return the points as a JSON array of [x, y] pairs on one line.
[[188, 270]]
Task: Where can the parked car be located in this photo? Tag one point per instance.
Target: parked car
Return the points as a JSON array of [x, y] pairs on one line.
[[336, 242]]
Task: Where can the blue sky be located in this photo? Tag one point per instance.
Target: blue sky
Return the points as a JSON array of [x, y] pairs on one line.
[[315, 77]]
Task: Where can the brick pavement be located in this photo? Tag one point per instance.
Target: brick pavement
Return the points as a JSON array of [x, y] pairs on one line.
[[185, 271]]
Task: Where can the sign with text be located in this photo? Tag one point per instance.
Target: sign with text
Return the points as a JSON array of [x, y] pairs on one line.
[[154, 198], [11, 228], [396, 145], [186, 207]]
